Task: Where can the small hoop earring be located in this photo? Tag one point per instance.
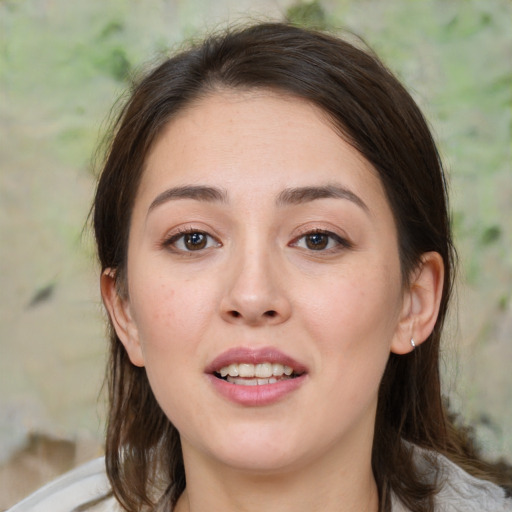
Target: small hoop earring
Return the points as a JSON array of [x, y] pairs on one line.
[[413, 345]]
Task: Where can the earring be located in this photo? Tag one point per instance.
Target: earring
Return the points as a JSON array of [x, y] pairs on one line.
[[413, 345]]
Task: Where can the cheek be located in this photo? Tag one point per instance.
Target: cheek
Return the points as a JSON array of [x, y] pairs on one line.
[[354, 314], [155, 312], [170, 313], [171, 319]]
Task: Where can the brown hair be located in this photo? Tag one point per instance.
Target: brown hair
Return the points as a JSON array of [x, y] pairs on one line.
[[373, 112]]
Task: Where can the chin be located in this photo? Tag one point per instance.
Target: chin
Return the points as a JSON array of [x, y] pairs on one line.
[[258, 462], [259, 450]]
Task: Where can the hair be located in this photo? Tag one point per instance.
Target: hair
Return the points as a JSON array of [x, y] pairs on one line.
[[371, 110]]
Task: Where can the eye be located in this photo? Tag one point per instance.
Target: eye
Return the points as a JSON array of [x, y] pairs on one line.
[[190, 241], [319, 241]]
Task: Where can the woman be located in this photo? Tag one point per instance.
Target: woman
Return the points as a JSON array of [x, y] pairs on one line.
[[276, 261]]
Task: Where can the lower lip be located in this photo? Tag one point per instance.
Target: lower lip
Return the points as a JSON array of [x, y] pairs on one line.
[[259, 395]]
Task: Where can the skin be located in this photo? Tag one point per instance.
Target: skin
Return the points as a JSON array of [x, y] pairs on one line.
[[338, 310]]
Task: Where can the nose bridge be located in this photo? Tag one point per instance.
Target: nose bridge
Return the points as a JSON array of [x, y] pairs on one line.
[[254, 294]]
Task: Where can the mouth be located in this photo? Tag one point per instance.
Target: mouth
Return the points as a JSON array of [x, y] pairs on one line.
[[255, 367], [260, 374], [256, 377]]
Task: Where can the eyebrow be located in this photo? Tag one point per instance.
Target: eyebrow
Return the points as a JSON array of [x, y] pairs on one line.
[[289, 196], [299, 195], [197, 192]]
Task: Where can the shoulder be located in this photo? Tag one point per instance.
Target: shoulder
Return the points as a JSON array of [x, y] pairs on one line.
[[458, 490], [82, 485]]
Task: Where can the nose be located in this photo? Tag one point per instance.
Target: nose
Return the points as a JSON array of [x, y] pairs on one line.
[[255, 292]]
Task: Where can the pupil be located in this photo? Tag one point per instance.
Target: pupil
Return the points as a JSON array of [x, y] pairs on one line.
[[316, 241], [195, 241]]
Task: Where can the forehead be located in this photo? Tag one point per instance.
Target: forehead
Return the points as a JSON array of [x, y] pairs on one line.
[[256, 143]]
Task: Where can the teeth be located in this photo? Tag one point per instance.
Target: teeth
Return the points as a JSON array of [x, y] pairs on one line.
[[277, 370], [260, 371], [263, 370], [253, 382], [246, 370]]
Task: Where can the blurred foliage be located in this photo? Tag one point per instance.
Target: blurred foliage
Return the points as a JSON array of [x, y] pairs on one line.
[[116, 64], [113, 60], [308, 14], [490, 235]]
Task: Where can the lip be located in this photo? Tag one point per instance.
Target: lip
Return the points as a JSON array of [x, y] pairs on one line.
[[254, 356], [259, 395]]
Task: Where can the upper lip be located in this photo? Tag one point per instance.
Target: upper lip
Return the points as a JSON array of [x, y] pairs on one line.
[[254, 356]]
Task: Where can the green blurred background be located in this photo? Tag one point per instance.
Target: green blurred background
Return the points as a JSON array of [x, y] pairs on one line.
[[64, 63]]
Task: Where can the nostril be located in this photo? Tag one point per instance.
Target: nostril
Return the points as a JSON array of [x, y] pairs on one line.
[[271, 313]]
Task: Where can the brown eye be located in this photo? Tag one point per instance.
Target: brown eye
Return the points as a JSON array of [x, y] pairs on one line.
[[321, 241], [195, 241], [316, 241], [191, 241]]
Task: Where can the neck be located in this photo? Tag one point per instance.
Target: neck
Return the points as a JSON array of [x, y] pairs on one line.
[[329, 486]]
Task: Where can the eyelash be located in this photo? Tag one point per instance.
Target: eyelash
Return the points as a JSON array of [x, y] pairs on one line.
[[340, 242], [173, 240]]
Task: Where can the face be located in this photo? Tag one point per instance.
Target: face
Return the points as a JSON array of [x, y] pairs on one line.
[[264, 284]]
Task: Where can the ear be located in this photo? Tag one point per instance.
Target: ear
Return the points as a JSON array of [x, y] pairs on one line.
[[118, 308], [421, 304]]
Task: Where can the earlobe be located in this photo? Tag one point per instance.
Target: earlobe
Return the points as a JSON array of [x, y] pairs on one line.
[[421, 304], [118, 309]]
